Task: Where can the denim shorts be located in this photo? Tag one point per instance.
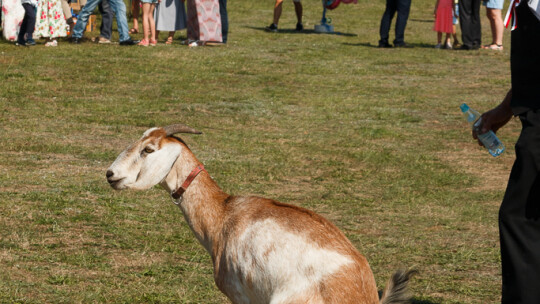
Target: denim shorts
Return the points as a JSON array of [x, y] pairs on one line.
[[497, 4]]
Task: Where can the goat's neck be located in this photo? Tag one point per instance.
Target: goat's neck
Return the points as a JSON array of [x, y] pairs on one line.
[[202, 204]]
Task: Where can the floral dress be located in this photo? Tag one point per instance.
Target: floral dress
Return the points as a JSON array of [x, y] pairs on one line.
[[12, 16], [50, 21]]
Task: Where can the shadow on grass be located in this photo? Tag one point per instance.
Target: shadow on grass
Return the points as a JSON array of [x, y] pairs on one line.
[[305, 31], [411, 45], [413, 301], [423, 20]]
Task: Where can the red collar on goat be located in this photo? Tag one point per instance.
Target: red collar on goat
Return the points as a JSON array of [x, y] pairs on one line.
[[178, 193]]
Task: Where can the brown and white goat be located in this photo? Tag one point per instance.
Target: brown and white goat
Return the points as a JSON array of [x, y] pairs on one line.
[[263, 251]]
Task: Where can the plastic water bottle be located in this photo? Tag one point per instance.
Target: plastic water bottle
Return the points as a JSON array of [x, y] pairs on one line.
[[488, 139]]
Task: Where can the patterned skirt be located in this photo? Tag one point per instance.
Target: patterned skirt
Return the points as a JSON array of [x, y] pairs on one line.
[[204, 20], [50, 21]]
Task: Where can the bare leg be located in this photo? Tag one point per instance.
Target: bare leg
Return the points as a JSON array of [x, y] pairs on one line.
[[152, 22], [277, 11], [495, 20], [135, 8], [146, 20], [439, 37]]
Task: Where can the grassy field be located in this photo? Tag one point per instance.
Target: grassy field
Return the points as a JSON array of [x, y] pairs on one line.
[[371, 138]]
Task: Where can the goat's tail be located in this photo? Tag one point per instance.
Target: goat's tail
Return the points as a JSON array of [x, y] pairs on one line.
[[397, 291]]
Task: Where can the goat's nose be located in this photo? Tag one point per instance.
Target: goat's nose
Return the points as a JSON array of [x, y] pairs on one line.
[[109, 173]]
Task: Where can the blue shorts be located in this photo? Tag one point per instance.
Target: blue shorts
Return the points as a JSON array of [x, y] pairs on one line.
[[497, 4], [456, 15]]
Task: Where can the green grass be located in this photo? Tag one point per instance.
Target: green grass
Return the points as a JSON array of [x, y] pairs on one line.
[[372, 139]]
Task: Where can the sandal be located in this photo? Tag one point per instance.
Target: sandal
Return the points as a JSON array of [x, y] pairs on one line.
[[133, 31], [169, 40], [493, 46], [153, 42], [143, 42]]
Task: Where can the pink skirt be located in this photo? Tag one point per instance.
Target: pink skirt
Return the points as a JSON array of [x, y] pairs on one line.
[[444, 17]]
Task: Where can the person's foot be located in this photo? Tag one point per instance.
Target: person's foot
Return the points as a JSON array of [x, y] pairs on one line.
[[103, 40], [75, 40], [456, 45], [52, 43], [468, 47], [299, 27], [448, 46], [30, 42], [153, 42], [20, 43], [143, 42], [438, 46], [129, 42], [385, 45], [271, 28]]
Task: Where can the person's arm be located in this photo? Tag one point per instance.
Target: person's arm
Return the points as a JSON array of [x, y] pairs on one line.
[[497, 117]]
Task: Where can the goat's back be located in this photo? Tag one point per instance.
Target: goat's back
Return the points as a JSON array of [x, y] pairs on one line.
[[278, 253]]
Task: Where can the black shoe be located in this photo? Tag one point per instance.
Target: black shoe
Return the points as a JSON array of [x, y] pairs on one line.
[[385, 45], [75, 40], [129, 42], [468, 48], [271, 28], [299, 27], [20, 43], [30, 42], [403, 45]]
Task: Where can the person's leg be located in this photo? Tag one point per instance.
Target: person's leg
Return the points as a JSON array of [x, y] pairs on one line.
[[86, 11], [298, 9], [135, 9], [145, 20], [386, 21], [224, 20], [465, 15], [278, 8], [119, 9], [476, 25], [106, 19], [152, 22], [519, 219], [23, 31], [403, 9], [496, 23], [439, 37]]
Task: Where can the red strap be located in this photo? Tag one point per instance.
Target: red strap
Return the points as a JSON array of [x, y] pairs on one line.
[[178, 193]]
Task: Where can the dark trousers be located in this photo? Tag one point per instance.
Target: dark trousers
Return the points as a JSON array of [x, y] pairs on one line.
[[469, 18], [402, 7], [28, 23], [519, 218], [106, 19], [224, 19]]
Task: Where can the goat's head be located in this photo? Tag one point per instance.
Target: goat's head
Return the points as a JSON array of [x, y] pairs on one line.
[[147, 162]]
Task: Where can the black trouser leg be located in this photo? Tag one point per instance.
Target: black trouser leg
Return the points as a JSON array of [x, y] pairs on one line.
[[28, 23], [403, 8], [469, 18], [386, 21], [519, 219]]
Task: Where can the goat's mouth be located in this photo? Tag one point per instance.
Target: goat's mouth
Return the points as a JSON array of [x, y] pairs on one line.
[[116, 183]]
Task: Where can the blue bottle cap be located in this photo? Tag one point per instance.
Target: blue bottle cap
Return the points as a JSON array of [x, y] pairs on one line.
[[464, 108]]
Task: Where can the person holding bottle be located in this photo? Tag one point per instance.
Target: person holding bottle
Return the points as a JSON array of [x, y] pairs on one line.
[[519, 214]]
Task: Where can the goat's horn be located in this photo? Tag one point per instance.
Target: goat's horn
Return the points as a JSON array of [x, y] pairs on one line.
[[179, 128]]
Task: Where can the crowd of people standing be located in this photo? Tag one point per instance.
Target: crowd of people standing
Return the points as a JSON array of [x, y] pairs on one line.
[[206, 21], [448, 14]]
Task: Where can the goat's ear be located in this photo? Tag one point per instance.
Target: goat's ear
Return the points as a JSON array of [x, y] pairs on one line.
[[179, 128]]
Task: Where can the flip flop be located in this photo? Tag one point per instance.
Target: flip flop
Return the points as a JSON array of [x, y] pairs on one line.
[[133, 31]]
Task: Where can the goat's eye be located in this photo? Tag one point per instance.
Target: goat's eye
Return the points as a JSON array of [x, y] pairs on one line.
[[148, 150]]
